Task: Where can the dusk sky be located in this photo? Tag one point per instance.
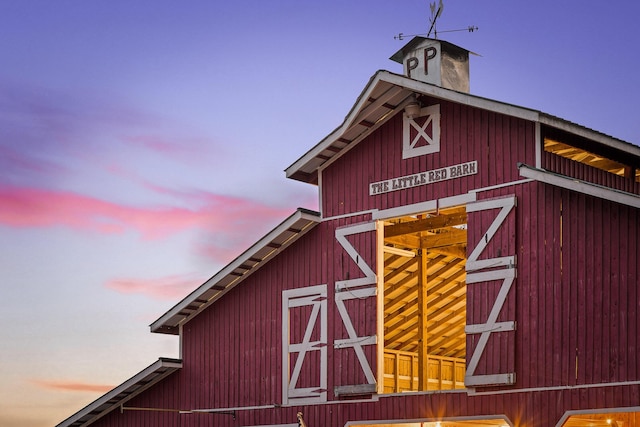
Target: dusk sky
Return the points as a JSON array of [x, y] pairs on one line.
[[143, 143]]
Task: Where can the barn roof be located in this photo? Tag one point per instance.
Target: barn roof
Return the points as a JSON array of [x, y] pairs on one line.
[[290, 230], [388, 93], [129, 389]]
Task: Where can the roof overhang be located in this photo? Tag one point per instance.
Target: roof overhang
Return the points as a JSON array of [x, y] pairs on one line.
[[584, 187], [122, 393], [238, 270], [388, 93]]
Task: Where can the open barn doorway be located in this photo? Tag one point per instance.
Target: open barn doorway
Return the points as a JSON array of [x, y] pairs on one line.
[[603, 419], [476, 422], [424, 300]]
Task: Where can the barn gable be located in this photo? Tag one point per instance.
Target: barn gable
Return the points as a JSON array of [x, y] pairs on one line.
[[451, 273], [238, 270]]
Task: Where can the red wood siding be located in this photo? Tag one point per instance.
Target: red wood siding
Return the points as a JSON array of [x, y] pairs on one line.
[[237, 342], [575, 300], [564, 166], [577, 289], [532, 409], [496, 141]]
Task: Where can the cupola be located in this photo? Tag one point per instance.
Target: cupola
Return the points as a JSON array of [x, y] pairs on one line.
[[436, 62]]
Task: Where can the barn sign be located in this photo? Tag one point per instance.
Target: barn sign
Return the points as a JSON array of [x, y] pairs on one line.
[[424, 178]]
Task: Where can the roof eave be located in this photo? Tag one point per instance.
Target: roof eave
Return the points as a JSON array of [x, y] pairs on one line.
[[306, 168], [129, 389], [290, 230], [591, 134]]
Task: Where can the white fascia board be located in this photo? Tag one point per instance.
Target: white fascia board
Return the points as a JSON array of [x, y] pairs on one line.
[[415, 86], [315, 151], [333, 136], [104, 399], [284, 226], [584, 187]]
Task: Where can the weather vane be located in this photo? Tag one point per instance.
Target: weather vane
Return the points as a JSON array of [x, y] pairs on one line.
[[435, 14]]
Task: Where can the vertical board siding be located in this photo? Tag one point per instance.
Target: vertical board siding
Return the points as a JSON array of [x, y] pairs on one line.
[[245, 366], [575, 298], [564, 166], [577, 306], [532, 409], [604, 271], [497, 142]]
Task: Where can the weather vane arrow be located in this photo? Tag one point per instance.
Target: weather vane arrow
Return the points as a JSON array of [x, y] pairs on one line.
[[436, 12]]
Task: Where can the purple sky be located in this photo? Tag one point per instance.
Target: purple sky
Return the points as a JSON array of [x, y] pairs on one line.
[[142, 147]]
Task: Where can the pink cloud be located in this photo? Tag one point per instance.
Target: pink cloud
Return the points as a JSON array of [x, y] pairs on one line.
[[187, 147], [165, 288], [23, 207], [72, 386]]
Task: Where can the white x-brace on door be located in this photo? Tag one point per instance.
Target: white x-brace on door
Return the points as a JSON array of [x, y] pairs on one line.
[[304, 345], [491, 272]]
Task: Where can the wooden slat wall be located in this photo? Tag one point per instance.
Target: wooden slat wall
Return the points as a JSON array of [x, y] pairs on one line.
[[497, 142], [237, 342]]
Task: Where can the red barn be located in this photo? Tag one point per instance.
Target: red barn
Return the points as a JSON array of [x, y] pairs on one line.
[[473, 263]]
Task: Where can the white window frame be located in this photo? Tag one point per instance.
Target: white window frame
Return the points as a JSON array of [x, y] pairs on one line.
[[409, 148]]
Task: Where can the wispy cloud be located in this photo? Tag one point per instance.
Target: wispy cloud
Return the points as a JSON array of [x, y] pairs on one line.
[[164, 288], [47, 134], [72, 386], [228, 219], [31, 207]]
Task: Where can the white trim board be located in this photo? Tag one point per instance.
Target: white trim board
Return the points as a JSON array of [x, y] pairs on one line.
[[584, 187]]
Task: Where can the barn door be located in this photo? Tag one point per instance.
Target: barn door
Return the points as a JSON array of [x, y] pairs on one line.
[[304, 345], [355, 298], [491, 311]]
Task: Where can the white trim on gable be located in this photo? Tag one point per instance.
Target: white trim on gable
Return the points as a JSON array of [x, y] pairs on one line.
[[290, 230], [387, 93]]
